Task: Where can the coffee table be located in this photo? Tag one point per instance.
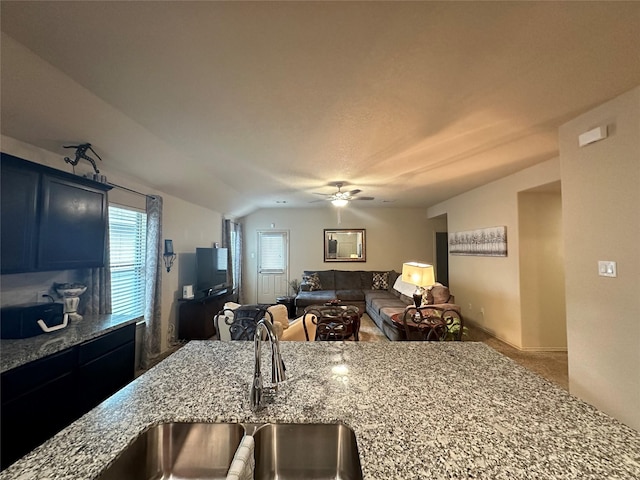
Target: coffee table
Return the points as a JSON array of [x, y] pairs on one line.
[[336, 322]]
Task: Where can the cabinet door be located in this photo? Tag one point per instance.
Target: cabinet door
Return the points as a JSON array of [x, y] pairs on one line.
[[73, 225], [106, 364], [37, 401], [19, 191]]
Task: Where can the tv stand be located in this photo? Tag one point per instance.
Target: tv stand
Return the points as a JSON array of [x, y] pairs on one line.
[[215, 291], [195, 316]]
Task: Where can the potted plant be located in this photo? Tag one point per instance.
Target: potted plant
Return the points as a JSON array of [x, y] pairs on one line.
[[294, 285], [454, 329]]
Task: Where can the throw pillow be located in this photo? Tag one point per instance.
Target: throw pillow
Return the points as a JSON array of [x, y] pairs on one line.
[[313, 281], [403, 287], [380, 281]]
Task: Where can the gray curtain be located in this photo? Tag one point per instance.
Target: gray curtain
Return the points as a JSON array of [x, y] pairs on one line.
[[97, 299], [232, 238], [153, 277]]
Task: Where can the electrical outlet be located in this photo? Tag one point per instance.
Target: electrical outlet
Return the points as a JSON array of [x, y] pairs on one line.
[[470, 306], [41, 296], [482, 311]]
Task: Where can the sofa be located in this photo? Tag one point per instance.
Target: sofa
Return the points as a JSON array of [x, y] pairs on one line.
[[379, 294], [349, 286]]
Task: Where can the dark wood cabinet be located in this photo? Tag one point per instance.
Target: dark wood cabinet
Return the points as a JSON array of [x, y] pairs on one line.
[[36, 403], [72, 225], [19, 192], [44, 396], [195, 320], [106, 364], [51, 220]]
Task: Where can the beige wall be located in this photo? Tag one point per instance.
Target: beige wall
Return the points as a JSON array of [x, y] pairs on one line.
[[542, 294], [188, 225], [492, 284], [393, 235], [601, 205]]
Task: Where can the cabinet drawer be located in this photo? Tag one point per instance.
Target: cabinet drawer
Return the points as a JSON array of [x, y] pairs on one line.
[[105, 375], [99, 346], [35, 374]]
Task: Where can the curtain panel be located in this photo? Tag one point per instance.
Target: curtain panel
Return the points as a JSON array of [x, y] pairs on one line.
[[152, 344], [232, 238], [97, 298]]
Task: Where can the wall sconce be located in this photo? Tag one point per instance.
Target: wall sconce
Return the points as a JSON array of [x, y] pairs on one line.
[[168, 255]]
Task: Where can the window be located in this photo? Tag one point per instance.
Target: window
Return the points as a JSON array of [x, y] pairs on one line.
[[127, 244], [272, 250]]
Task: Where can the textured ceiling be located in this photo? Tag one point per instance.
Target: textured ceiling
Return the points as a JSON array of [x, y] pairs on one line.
[[239, 105]]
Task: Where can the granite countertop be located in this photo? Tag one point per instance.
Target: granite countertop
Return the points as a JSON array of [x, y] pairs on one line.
[[14, 353], [419, 410]]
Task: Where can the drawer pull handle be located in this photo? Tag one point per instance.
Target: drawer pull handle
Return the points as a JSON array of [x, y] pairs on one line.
[[44, 327]]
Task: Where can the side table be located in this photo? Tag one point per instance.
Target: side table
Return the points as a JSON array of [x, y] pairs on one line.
[[289, 302]]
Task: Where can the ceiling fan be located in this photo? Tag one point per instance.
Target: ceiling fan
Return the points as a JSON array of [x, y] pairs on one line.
[[340, 198]]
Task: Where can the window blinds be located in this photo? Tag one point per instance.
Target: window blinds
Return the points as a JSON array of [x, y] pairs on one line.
[[127, 244], [272, 252]]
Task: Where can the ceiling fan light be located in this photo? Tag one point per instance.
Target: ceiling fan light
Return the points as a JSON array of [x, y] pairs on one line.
[[339, 202]]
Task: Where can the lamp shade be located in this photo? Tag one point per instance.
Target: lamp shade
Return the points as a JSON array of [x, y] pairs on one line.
[[418, 274], [339, 202]]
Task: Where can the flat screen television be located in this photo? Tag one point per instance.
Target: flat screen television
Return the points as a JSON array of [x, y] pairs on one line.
[[212, 267]]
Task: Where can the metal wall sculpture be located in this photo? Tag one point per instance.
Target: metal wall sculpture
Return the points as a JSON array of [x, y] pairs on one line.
[[490, 242]]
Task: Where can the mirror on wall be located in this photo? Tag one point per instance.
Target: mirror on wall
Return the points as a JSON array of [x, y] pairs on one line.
[[345, 245]]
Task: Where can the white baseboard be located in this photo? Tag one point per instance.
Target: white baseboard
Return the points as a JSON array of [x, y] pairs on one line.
[[522, 349]]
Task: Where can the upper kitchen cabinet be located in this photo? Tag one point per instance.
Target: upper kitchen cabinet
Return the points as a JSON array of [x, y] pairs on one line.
[[18, 217], [51, 220]]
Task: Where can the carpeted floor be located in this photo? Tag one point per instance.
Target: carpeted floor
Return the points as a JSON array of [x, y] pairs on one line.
[[550, 365], [554, 366], [369, 331]]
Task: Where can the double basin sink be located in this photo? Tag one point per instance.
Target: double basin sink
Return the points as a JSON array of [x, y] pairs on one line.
[[283, 451]]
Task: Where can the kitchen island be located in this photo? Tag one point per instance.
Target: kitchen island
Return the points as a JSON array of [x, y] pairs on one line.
[[419, 410]]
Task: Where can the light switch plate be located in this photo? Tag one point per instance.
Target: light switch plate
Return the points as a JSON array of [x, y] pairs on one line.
[[607, 269]]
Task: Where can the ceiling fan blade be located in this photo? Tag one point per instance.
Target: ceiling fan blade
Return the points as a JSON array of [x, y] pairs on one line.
[[363, 198], [323, 194], [354, 192]]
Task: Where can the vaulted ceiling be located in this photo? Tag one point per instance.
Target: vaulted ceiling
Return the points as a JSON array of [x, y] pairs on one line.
[[243, 105]]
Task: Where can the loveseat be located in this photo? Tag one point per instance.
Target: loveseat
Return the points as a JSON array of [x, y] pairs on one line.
[[379, 294]]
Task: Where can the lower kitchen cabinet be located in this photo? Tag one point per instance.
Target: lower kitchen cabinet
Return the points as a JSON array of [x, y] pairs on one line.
[[36, 403], [44, 396], [106, 364]]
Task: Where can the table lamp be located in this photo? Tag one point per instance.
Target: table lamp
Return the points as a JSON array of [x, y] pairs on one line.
[[419, 274]]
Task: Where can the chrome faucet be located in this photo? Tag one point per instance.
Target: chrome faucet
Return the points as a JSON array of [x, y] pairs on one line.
[[258, 390]]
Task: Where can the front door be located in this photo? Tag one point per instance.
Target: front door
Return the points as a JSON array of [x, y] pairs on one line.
[[273, 265]]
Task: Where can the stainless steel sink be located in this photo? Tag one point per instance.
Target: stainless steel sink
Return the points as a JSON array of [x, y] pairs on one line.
[[179, 451], [306, 451], [205, 451]]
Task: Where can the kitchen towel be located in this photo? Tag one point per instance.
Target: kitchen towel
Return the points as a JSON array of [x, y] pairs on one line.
[[243, 462]]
